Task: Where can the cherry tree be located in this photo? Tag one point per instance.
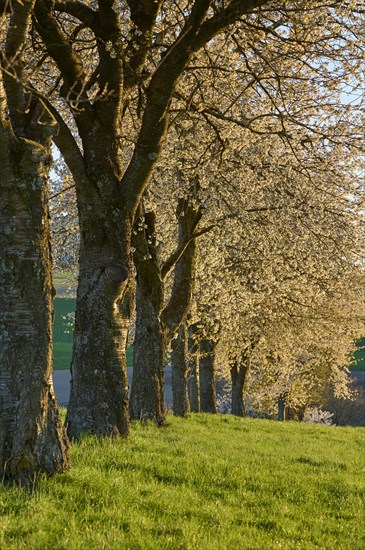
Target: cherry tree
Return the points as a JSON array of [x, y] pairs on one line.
[[291, 281], [32, 438]]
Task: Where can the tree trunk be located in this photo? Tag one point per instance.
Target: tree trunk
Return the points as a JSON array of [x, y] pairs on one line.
[[155, 328], [177, 310], [193, 371], [147, 400], [32, 437], [281, 408], [238, 377], [207, 376], [179, 365], [288, 413], [99, 385]]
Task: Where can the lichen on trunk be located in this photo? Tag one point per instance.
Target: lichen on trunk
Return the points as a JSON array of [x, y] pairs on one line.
[[99, 385], [32, 438]]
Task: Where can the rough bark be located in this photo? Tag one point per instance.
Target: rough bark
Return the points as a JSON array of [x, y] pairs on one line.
[[238, 377], [179, 365], [193, 371], [147, 399], [32, 437], [99, 386], [207, 376], [156, 327]]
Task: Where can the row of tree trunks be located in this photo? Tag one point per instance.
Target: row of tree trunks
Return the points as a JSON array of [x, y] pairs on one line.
[[109, 194], [194, 376], [155, 326]]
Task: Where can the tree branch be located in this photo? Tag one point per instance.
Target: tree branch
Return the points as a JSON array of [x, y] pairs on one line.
[[159, 94], [68, 62], [13, 63], [67, 145], [187, 235], [143, 15], [224, 19]]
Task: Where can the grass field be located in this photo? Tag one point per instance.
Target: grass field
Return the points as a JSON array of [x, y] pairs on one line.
[[206, 482]]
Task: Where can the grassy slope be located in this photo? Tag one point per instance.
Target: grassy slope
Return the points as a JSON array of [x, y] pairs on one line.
[[204, 482]]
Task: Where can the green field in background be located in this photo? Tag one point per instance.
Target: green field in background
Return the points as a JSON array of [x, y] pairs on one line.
[[62, 333]]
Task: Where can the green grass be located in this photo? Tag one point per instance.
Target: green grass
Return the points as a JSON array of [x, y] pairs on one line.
[[206, 482]]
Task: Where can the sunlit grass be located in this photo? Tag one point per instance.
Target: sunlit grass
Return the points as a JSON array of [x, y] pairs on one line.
[[210, 482]]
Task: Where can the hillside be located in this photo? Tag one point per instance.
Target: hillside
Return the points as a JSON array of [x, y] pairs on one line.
[[209, 482]]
